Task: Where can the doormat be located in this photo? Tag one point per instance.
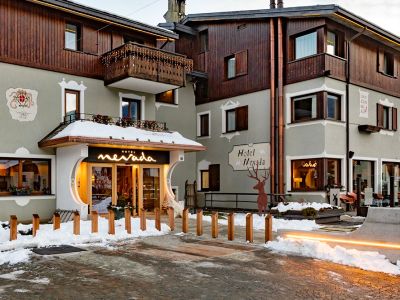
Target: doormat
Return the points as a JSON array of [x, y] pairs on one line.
[[63, 249]]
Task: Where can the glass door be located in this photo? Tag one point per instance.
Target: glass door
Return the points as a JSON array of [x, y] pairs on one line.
[[151, 188], [101, 188], [125, 186]]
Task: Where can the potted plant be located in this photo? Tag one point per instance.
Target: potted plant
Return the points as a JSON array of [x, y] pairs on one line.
[[20, 191], [119, 209]]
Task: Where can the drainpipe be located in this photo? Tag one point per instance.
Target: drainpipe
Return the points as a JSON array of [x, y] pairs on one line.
[[348, 53], [281, 150], [272, 100]]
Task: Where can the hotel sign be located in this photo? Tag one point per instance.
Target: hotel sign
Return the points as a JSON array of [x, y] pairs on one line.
[[243, 157], [127, 156]]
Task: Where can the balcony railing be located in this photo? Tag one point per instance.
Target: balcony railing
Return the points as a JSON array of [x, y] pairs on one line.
[[316, 66], [143, 62]]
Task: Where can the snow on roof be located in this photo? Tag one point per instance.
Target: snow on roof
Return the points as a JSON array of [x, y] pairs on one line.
[[97, 130]]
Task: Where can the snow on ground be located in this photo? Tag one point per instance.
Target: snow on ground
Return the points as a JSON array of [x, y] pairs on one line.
[[14, 252], [300, 206], [259, 222], [366, 260]]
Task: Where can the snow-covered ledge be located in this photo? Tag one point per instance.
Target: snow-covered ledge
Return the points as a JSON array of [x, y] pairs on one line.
[[68, 158]]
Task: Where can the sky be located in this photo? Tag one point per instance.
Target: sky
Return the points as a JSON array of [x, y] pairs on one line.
[[384, 13]]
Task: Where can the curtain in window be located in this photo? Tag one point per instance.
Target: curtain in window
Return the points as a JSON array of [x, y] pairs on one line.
[[306, 45]]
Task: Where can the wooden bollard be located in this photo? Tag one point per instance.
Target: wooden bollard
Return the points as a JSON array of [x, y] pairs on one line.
[[111, 221], [249, 228], [268, 228], [56, 221], [35, 224], [95, 221], [77, 223], [13, 228], [171, 217], [185, 220], [199, 222], [214, 224], [128, 223], [142, 219], [231, 226], [157, 218]]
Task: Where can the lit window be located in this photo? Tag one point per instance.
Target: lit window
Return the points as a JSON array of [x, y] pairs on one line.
[[72, 37], [306, 45], [364, 170], [205, 180], [168, 97]]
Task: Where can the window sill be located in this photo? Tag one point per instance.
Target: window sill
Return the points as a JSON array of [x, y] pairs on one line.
[[28, 197], [236, 76], [323, 122], [234, 131], [388, 75], [203, 137]]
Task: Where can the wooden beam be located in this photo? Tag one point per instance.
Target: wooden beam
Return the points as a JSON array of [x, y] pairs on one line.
[[214, 224], [128, 223], [111, 221], [185, 220], [157, 218], [199, 221], [35, 224], [231, 226], [249, 228], [171, 218], [268, 228], [95, 221], [13, 228], [142, 219], [77, 223], [56, 221]]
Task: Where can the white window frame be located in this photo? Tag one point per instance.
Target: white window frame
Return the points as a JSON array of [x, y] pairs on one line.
[[314, 110], [199, 124], [72, 85], [142, 100]]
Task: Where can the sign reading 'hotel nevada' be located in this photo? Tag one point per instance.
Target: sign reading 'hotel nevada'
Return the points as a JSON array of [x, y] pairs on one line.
[[243, 157], [127, 156]]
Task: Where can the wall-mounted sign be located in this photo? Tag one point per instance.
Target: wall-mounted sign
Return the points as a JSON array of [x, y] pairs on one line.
[[310, 164], [127, 156], [334, 196], [363, 104], [22, 104], [243, 157]]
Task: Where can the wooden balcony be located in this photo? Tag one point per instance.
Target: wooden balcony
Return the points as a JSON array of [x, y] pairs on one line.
[[141, 68], [316, 66]]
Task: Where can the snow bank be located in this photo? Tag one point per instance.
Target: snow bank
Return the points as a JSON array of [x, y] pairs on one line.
[[259, 222], [366, 260], [300, 206], [46, 236]]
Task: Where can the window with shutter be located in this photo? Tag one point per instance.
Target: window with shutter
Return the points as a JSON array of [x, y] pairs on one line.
[[394, 119], [214, 177], [242, 118], [381, 60], [89, 40], [241, 63]]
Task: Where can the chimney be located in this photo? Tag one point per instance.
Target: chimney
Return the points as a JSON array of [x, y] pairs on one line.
[[272, 4], [176, 11], [280, 3]]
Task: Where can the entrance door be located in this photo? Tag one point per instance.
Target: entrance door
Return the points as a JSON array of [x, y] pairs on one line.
[[125, 186], [151, 188], [101, 188]]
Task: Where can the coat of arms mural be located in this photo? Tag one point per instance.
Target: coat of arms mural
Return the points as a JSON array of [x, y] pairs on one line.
[[22, 104]]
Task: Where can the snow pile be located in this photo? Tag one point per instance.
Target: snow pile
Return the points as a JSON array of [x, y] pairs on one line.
[[15, 251], [366, 260], [259, 222], [284, 207], [96, 130]]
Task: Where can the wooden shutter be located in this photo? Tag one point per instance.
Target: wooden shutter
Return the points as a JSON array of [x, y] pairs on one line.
[[381, 60], [241, 63], [89, 40], [242, 118], [321, 105], [394, 118], [214, 177], [117, 40], [395, 66], [380, 115]]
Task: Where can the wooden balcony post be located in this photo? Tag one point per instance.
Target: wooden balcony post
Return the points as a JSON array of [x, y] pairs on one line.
[[268, 228], [231, 226], [77, 223], [249, 228], [13, 228], [157, 218], [185, 220], [199, 221], [214, 224], [171, 218], [35, 224], [95, 221], [56, 221], [111, 221], [142, 219], [128, 223]]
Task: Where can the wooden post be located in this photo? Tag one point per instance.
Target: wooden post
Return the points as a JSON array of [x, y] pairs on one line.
[[214, 224], [56, 221], [142, 219], [95, 221], [171, 217], [111, 221], [199, 221], [249, 228], [231, 226], [185, 220], [35, 224], [128, 223], [157, 219], [13, 228], [77, 223], [268, 228]]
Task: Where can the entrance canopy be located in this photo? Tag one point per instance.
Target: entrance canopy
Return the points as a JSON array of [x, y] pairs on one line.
[[97, 134]]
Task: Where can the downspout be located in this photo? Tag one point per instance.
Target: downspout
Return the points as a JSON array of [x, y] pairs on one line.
[[348, 53], [272, 99], [281, 150]]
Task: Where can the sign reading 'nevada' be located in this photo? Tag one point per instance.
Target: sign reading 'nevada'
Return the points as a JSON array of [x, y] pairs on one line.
[[244, 157]]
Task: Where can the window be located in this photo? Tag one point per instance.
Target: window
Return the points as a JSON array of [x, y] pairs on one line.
[[364, 170], [387, 63], [24, 176], [203, 125], [305, 108], [205, 180], [72, 37], [236, 65], [331, 43], [168, 97], [210, 179], [315, 174], [333, 107], [72, 105], [131, 108], [236, 119], [389, 169], [386, 117], [305, 45], [201, 91], [203, 36]]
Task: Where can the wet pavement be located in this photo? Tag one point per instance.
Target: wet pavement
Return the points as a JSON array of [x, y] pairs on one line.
[[187, 267]]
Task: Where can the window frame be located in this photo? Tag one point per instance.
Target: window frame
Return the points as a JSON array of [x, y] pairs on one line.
[[78, 103], [199, 124], [314, 99], [130, 100], [202, 188], [228, 65], [237, 111], [240, 65], [388, 114], [303, 34], [204, 41], [175, 98], [78, 36]]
